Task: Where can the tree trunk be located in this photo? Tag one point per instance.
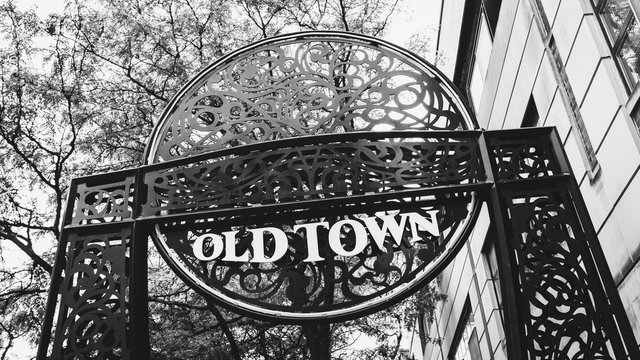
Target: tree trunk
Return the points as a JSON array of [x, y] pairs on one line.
[[318, 340]]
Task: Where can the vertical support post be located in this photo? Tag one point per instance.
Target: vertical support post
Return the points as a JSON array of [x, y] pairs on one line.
[[558, 293], [56, 276], [92, 285], [139, 278]]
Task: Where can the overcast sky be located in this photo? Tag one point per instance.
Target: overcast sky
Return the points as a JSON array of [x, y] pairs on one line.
[[413, 16]]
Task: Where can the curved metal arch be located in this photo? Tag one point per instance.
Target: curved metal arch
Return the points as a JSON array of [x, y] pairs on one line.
[[179, 122], [307, 86]]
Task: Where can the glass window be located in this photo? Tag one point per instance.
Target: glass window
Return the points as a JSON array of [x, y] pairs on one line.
[[614, 14], [465, 344], [628, 53], [491, 264], [623, 31], [482, 52]]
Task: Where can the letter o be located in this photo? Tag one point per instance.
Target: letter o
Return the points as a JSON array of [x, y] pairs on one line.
[[216, 242], [360, 234]]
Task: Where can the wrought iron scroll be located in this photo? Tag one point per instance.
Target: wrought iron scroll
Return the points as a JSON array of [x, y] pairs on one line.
[[560, 300], [311, 170], [93, 321], [98, 288], [518, 157], [105, 202], [306, 84], [329, 178], [290, 89]]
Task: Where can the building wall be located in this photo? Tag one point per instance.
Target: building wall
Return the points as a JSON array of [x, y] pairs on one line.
[[522, 67]]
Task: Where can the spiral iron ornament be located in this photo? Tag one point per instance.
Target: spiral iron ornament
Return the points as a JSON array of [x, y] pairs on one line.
[[292, 92]]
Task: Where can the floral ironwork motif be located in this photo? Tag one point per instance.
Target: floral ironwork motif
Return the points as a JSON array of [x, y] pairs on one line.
[[94, 309]]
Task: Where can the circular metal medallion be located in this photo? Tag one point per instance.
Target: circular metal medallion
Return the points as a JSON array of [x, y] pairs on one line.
[[317, 175]]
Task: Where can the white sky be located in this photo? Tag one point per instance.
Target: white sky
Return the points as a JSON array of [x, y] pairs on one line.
[[42, 7]]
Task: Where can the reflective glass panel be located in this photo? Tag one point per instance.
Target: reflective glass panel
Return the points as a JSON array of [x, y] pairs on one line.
[[614, 14], [629, 52]]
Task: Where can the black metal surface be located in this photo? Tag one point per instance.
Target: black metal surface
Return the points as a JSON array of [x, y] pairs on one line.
[[93, 315], [555, 285], [560, 300], [284, 131], [306, 84], [311, 170]]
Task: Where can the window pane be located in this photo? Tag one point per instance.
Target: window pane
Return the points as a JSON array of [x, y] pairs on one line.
[[467, 340], [614, 14], [483, 46], [629, 52], [476, 86]]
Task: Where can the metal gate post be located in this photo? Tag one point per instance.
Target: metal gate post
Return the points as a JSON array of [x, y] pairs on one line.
[[98, 296], [139, 293], [559, 298], [506, 269]]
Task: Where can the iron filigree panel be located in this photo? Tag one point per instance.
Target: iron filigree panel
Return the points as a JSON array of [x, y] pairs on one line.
[[93, 321], [312, 170], [334, 285], [106, 202], [518, 158], [306, 84], [560, 301], [563, 300], [342, 177]]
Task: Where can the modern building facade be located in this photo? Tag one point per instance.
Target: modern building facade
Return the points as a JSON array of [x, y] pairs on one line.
[[573, 64]]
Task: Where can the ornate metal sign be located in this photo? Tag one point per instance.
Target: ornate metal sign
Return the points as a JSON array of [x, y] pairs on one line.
[[326, 176], [312, 225]]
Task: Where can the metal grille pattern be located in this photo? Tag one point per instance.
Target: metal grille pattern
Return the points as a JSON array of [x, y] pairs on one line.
[[293, 86], [288, 90], [523, 158], [93, 321], [312, 171], [282, 132], [560, 300], [105, 202], [564, 301]]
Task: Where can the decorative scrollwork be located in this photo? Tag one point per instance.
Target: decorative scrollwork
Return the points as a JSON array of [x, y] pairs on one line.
[[93, 323], [296, 86], [556, 285], [104, 203], [312, 171], [523, 158], [293, 285], [306, 86]]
